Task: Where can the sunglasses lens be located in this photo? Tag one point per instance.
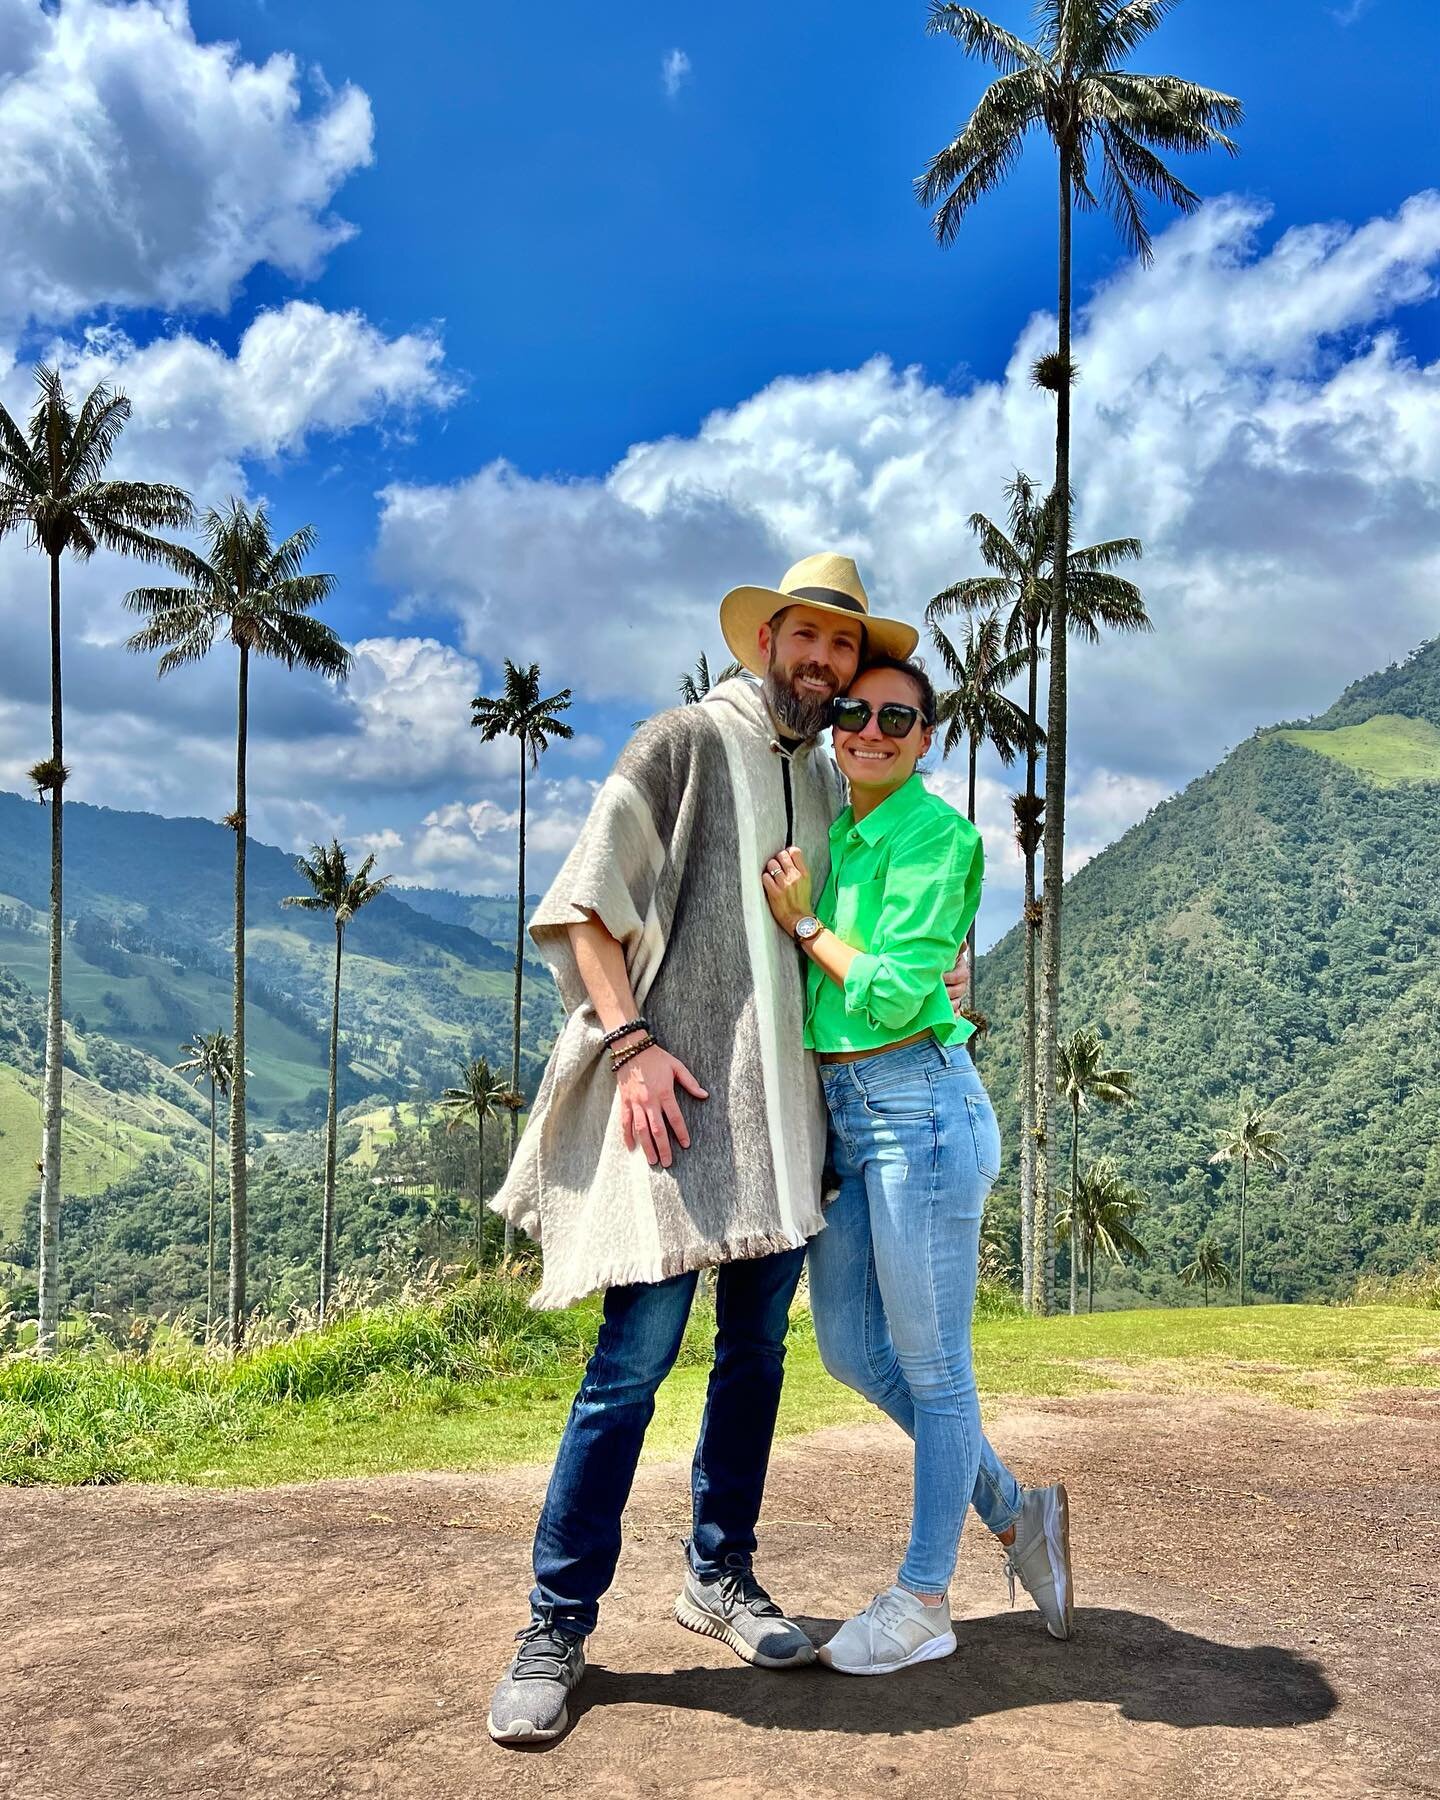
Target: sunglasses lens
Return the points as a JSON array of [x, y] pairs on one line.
[[850, 715], [896, 721]]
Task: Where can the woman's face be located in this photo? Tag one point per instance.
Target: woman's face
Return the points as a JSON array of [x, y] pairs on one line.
[[867, 757]]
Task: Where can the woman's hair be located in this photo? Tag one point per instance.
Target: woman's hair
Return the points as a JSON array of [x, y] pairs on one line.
[[913, 670]]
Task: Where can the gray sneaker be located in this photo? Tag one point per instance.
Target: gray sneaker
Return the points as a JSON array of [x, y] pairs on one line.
[[737, 1610], [1039, 1559], [528, 1706]]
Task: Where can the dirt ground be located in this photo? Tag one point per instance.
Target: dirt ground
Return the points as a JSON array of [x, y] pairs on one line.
[[1257, 1592]]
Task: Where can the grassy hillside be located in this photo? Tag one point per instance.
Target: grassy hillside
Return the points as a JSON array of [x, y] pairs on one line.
[[147, 958], [1273, 929]]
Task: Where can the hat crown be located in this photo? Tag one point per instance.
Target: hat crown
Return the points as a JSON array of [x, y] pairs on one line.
[[823, 575]]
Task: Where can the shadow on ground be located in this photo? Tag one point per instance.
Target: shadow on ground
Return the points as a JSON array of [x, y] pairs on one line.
[[1138, 1664]]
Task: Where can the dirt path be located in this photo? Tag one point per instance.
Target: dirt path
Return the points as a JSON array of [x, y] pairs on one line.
[[1258, 1616]]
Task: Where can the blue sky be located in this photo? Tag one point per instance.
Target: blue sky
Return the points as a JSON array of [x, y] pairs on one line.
[[465, 288]]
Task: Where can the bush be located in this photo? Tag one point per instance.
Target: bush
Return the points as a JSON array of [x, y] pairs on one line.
[[1419, 1286]]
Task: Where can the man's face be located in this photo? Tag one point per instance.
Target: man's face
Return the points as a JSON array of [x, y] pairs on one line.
[[812, 655]]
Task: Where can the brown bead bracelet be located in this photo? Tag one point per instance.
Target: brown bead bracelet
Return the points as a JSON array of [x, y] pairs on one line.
[[623, 1056]]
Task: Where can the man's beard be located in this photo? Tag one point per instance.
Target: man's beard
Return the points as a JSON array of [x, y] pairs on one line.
[[798, 715]]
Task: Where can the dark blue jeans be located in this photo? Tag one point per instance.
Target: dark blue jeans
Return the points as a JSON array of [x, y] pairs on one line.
[[577, 1542]]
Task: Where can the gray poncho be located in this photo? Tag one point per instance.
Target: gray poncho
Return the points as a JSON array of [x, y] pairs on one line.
[[669, 861]]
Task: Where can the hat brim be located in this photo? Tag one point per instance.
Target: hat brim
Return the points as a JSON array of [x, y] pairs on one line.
[[745, 609]]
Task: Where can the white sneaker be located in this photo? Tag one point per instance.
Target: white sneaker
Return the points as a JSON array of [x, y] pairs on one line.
[[1040, 1557], [895, 1630]]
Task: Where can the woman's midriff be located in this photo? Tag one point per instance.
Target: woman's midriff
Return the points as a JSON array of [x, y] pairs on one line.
[[846, 1056]]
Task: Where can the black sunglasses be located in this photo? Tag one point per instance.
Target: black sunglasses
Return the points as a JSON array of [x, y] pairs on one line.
[[895, 719]]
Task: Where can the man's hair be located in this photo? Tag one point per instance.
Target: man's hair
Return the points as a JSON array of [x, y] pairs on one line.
[[913, 670]]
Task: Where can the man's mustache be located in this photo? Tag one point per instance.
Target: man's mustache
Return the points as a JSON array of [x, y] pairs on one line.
[[815, 672]]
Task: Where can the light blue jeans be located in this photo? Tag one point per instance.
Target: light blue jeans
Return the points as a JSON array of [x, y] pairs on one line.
[[914, 1142]]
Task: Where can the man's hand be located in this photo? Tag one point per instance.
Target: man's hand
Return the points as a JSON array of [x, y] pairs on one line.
[[787, 888], [957, 984], [649, 1107]]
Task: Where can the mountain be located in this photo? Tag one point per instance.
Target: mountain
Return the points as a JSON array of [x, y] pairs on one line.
[[1273, 931], [147, 961]]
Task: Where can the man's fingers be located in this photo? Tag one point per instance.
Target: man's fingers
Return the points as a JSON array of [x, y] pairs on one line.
[[675, 1119], [642, 1135], [686, 1080], [656, 1121]]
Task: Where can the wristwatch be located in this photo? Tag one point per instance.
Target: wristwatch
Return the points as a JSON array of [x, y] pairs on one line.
[[807, 928]]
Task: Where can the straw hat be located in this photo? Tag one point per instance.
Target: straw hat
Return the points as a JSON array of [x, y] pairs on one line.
[[827, 582]]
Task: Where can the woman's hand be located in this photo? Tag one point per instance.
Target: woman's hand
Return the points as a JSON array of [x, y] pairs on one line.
[[787, 888], [649, 1105]]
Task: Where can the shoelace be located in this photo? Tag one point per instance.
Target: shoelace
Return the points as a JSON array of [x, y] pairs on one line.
[[739, 1588], [543, 1655], [886, 1610]]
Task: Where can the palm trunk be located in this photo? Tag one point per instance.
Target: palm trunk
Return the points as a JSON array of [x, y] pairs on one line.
[[1027, 1035], [48, 1329], [1074, 1193], [239, 1221], [514, 1114], [1206, 1280], [210, 1228], [1090, 1275], [480, 1190], [327, 1205], [1244, 1183], [1054, 781], [970, 936]]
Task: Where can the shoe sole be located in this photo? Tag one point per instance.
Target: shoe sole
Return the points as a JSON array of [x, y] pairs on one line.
[[523, 1732], [932, 1650], [693, 1619], [1057, 1540]]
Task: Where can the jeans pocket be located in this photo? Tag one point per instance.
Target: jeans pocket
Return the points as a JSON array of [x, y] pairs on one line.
[[986, 1134], [900, 1101]]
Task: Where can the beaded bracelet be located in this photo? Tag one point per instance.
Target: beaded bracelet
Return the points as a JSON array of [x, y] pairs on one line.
[[621, 1031], [617, 1061]]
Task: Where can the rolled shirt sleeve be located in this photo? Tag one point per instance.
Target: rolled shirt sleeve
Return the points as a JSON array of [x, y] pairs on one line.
[[932, 893]]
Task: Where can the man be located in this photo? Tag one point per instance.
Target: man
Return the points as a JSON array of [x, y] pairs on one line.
[[679, 1123]]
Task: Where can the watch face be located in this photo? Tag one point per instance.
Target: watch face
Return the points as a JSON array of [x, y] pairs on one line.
[[807, 927]]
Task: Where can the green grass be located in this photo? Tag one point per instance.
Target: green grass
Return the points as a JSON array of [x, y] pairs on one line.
[[1388, 749], [475, 1380]]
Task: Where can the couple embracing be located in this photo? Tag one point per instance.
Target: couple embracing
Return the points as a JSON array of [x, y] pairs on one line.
[[763, 1057]]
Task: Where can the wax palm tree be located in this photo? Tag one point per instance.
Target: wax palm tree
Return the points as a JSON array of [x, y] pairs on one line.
[[209, 1057], [1253, 1137], [1082, 1077], [1070, 85], [335, 890], [1020, 556], [1099, 1218], [1206, 1266], [53, 489], [255, 593], [694, 687], [482, 1096], [522, 713], [977, 711]]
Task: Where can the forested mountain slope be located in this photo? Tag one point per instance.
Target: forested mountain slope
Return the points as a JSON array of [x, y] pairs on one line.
[[1275, 927], [147, 960]]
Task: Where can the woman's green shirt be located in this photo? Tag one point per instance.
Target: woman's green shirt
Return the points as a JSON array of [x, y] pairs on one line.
[[904, 887]]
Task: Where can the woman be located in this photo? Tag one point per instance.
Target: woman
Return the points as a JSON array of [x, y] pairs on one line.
[[914, 1143]]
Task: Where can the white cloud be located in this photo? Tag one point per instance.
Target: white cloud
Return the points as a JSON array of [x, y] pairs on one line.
[[471, 845], [674, 72], [141, 168], [1251, 414]]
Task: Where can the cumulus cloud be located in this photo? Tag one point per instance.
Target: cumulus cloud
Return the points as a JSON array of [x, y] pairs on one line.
[[674, 72], [142, 168]]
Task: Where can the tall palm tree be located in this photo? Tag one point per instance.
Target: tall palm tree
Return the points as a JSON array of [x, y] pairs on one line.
[[1071, 85], [1082, 1077], [694, 687], [1020, 556], [483, 1095], [522, 713], [977, 710], [53, 488], [1253, 1137], [1099, 1218], [335, 890], [1206, 1266], [210, 1057], [255, 593]]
